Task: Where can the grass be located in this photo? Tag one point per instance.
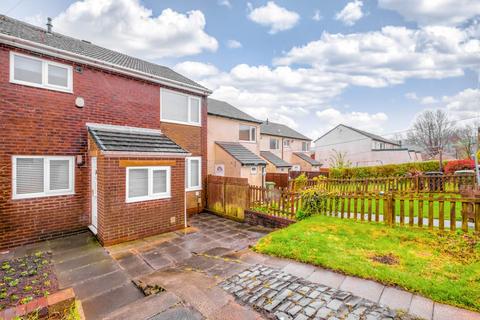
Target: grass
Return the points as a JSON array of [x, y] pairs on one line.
[[443, 266]]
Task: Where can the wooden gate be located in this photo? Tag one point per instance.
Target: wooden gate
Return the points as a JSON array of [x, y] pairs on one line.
[[227, 196]]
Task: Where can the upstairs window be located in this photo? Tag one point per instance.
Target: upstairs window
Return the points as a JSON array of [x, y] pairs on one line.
[[35, 176], [274, 144], [305, 146], [286, 143], [40, 73], [179, 108], [247, 133]]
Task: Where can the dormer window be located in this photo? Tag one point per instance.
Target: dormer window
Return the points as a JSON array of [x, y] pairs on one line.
[[40, 73]]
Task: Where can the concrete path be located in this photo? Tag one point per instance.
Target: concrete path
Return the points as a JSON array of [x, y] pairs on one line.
[[190, 265]]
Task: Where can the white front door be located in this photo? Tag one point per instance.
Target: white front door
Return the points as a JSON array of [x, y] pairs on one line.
[[93, 191]]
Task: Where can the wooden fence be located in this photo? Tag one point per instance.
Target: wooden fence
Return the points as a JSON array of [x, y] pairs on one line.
[[280, 179], [227, 196], [419, 184], [444, 213]]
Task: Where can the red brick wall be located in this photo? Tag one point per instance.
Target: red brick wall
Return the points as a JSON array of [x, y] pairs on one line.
[[119, 221], [36, 121]]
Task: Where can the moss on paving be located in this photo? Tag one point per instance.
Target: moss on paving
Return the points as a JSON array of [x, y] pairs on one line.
[[443, 266]]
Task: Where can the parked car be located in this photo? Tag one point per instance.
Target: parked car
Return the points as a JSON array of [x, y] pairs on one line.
[[464, 172]]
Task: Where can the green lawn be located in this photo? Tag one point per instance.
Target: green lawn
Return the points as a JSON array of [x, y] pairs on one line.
[[442, 266]]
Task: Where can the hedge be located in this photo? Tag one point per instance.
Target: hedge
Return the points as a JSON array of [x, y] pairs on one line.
[[388, 170]]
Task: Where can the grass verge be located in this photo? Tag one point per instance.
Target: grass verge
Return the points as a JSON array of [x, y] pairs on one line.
[[443, 266]]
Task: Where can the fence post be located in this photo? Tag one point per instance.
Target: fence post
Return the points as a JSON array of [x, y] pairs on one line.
[[390, 210]]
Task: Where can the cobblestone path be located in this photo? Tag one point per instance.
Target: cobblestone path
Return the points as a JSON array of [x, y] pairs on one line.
[[280, 295]]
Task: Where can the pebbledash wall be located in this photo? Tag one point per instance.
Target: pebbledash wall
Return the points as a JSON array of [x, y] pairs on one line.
[[35, 121]]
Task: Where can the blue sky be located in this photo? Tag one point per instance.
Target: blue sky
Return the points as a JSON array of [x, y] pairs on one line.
[[372, 64]]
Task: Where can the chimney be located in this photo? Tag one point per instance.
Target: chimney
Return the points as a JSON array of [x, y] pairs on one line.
[[49, 25]]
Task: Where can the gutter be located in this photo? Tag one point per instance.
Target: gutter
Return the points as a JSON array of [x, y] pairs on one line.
[[74, 57]]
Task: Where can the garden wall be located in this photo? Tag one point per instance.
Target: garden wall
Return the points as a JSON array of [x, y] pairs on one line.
[[255, 218]]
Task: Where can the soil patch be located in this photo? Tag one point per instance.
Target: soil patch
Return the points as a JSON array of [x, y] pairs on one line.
[[27, 278], [389, 259]]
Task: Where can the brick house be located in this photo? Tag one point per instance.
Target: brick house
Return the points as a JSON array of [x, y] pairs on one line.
[[233, 143], [286, 149], [94, 138]]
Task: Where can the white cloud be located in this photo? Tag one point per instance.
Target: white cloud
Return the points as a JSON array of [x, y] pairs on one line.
[[351, 13], [422, 100], [391, 55], [317, 16], [434, 12], [127, 26], [234, 44], [273, 16], [463, 105], [225, 3], [196, 70], [362, 120]]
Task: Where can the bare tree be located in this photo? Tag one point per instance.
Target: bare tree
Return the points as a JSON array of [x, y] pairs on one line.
[[432, 131], [339, 160], [467, 137]]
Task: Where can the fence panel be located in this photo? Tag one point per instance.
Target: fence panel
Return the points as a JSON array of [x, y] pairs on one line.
[[280, 179], [227, 196]]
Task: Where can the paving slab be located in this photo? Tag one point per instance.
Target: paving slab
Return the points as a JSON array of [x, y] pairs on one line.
[[134, 265], [99, 306], [146, 307], [299, 269], [445, 312], [421, 307], [396, 298], [98, 285], [368, 289], [326, 277], [180, 313], [73, 276]]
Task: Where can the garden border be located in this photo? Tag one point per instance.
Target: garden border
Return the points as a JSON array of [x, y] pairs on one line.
[[45, 306], [256, 218]]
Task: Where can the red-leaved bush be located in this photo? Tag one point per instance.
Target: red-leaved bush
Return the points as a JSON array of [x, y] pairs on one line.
[[454, 165]]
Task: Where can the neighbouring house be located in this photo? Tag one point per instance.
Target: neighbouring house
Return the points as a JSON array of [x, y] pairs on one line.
[[94, 138], [360, 148], [282, 146], [233, 143]]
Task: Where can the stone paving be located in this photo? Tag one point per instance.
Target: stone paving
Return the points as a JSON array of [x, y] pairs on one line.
[[284, 296]]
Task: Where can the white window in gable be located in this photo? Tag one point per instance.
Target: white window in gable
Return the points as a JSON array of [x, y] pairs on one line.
[[247, 133], [40, 73], [35, 176], [147, 183], [179, 108], [193, 173]]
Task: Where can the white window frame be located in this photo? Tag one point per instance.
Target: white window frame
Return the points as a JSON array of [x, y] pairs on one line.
[[45, 64], [307, 144], [151, 195], [286, 143], [277, 143], [189, 104], [46, 178], [252, 133], [189, 175]]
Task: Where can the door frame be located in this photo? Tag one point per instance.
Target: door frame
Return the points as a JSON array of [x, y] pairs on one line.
[[93, 195]]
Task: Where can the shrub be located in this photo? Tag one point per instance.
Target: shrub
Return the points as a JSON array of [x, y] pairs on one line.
[[389, 170], [300, 182], [454, 165], [314, 200]]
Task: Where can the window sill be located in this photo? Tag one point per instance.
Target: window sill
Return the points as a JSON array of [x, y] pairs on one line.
[[193, 189], [35, 196], [142, 199], [181, 122], [40, 86], [247, 141]]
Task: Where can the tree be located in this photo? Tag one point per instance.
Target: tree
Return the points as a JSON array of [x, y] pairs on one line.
[[339, 160], [467, 137], [432, 131]]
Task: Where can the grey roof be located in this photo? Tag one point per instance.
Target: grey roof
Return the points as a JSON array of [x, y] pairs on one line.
[[224, 109], [129, 139], [241, 154], [308, 159], [25, 31], [273, 159], [281, 130], [365, 133]]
